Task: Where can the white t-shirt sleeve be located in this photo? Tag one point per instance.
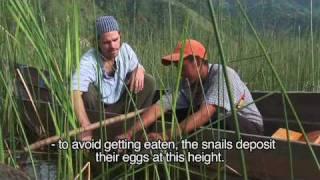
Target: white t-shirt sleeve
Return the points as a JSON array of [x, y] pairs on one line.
[[133, 59]]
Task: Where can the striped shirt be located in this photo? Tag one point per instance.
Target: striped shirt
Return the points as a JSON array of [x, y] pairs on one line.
[[91, 71], [215, 92]]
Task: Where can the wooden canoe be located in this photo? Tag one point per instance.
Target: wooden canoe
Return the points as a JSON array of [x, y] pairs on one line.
[[272, 164]]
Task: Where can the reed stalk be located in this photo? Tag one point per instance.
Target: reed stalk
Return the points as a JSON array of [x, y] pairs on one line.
[[288, 138], [36, 34], [230, 94]]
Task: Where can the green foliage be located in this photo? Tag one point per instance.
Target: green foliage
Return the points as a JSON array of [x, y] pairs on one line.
[[52, 35]]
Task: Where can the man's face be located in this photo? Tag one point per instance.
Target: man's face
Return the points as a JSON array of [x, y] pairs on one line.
[[109, 44], [190, 69]]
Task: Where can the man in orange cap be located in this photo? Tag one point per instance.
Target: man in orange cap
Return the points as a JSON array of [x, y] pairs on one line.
[[203, 86]]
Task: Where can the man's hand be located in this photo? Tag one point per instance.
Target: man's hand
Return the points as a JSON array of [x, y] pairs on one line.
[[126, 136], [137, 80], [154, 136], [81, 115], [86, 136], [198, 119]]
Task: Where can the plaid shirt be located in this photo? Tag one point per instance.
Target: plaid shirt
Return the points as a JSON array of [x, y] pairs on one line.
[[215, 92]]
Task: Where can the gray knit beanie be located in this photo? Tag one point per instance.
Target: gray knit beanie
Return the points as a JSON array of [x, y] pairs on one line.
[[106, 24]]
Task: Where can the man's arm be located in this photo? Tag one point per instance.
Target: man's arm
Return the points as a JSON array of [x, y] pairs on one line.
[[137, 79], [81, 114], [199, 118], [148, 118]]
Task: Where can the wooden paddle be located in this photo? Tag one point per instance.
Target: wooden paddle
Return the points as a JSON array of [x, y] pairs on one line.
[[91, 127]]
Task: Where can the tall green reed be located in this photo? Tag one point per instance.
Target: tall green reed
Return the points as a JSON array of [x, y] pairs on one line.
[[230, 94], [57, 49]]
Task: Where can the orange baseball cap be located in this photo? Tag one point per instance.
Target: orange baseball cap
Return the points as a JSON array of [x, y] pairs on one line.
[[192, 47]]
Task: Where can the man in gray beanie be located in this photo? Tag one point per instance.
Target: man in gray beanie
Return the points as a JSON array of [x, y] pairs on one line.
[[107, 75]]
